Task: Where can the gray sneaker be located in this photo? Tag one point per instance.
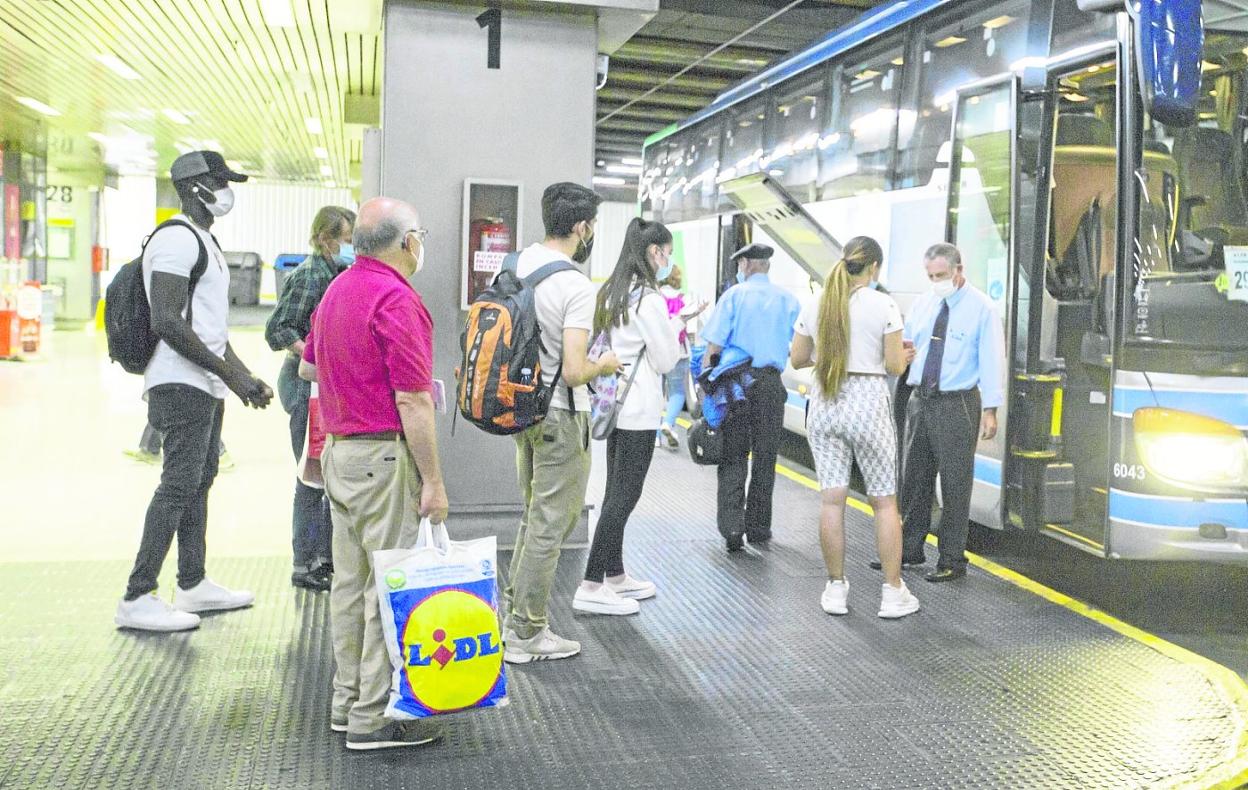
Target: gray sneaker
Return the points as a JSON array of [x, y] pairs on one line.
[[395, 734], [545, 646]]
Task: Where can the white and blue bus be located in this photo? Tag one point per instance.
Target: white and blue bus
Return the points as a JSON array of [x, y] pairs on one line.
[[1091, 165]]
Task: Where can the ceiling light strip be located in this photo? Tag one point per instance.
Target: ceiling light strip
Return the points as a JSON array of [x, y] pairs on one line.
[[693, 65]]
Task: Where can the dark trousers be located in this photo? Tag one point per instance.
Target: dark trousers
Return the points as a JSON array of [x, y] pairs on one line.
[[311, 529], [941, 434], [628, 460], [150, 440], [190, 421], [751, 440]]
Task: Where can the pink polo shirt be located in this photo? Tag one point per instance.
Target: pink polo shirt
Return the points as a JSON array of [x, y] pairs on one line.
[[371, 336]]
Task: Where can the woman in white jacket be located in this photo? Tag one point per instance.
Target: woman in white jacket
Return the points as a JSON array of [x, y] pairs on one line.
[[633, 311]]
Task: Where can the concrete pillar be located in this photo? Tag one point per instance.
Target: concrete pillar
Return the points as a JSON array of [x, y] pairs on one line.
[[446, 117]]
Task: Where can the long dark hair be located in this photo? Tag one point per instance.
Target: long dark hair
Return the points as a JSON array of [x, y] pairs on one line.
[[631, 270], [831, 360]]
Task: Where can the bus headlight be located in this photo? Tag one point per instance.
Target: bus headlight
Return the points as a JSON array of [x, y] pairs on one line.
[[1192, 450]]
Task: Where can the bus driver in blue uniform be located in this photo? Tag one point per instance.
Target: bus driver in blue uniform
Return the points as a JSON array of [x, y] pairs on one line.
[[956, 374], [753, 323]]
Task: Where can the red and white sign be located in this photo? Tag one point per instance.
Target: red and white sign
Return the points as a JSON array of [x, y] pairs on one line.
[[489, 262], [29, 315]]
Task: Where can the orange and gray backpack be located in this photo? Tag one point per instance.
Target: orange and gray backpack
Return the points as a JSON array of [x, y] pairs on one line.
[[500, 385]]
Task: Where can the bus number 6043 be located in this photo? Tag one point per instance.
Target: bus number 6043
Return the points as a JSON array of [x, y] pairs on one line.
[[1131, 471]]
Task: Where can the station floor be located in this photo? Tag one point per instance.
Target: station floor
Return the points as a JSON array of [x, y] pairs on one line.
[[733, 676]]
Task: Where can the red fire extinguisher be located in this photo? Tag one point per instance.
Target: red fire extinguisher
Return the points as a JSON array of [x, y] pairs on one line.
[[488, 234]]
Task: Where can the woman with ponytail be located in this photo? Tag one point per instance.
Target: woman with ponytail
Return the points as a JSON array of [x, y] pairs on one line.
[[633, 315], [852, 336]]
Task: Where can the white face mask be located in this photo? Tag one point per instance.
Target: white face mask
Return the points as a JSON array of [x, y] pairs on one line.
[[420, 257], [223, 203], [943, 288]]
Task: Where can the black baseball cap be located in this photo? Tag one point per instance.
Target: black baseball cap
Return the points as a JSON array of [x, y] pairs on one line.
[[753, 252], [202, 163]]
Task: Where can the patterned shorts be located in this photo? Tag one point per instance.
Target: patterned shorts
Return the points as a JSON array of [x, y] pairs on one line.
[[856, 424]]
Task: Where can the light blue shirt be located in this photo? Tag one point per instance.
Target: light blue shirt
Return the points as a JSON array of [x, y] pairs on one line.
[[974, 343], [753, 320]]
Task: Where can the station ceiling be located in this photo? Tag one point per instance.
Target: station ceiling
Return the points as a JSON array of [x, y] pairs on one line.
[[264, 81], [285, 87], [682, 33]]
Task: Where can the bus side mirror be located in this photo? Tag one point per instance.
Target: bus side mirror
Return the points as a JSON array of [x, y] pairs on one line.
[[1170, 37]]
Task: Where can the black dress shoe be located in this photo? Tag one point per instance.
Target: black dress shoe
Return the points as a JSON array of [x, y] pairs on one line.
[[310, 580], [905, 564], [945, 574], [735, 543]]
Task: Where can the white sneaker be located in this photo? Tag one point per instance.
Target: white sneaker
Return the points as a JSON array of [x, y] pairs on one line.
[[835, 599], [604, 600], [673, 441], [545, 646], [897, 602], [629, 587], [149, 613], [208, 596]]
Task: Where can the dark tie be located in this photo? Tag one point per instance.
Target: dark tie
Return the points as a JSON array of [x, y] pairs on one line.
[[935, 350]]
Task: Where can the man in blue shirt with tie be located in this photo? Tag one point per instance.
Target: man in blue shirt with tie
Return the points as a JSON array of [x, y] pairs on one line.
[[753, 324], [956, 372]]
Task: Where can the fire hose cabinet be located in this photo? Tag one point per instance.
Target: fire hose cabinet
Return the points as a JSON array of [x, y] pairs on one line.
[[491, 230]]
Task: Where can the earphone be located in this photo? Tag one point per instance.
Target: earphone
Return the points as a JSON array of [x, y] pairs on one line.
[[209, 198]]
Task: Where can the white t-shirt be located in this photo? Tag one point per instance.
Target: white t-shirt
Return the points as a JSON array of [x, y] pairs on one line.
[[564, 301], [648, 325], [175, 251], [872, 315]]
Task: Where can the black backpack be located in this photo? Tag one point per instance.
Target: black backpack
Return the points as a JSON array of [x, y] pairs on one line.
[[501, 390], [127, 313]]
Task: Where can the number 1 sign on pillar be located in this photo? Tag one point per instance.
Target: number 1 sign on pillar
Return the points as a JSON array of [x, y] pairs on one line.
[[493, 19]]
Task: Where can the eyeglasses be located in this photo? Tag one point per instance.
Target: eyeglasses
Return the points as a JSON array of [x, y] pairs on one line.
[[421, 233]]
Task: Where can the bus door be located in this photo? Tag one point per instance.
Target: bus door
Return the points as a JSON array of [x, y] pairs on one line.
[[1073, 321], [980, 221]]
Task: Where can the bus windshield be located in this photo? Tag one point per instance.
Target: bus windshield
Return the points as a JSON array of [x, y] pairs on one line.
[[1188, 281]]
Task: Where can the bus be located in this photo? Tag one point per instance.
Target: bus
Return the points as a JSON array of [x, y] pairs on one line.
[[1090, 164]]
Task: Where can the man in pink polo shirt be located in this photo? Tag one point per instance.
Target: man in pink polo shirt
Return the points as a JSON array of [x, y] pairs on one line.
[[371, 350]]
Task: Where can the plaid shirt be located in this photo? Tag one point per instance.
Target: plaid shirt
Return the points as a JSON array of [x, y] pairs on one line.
[[303, 290]]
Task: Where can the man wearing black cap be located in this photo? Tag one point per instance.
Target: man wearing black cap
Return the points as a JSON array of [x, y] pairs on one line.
[[752, 327], [185, 386]]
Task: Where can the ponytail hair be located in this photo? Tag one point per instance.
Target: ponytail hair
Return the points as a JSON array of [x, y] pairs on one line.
[[860, 253], [631, 270]]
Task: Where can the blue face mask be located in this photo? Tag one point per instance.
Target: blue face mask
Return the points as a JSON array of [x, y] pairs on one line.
[[740, 277], [346, 252], [665, 272]]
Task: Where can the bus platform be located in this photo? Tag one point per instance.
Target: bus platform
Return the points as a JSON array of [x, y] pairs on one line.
[[732, 676]]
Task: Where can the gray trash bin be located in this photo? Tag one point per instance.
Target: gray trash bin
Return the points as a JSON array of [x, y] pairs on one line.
[[244, 277]]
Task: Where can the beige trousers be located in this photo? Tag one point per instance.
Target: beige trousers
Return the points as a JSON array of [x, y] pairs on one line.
[[552, 460], [374, 496]]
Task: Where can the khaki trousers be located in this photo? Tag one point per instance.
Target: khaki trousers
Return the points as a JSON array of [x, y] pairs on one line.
[[374, 495], [552, 461]]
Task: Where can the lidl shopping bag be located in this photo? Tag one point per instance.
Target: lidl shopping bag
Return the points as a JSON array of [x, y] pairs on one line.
[[439, 611]]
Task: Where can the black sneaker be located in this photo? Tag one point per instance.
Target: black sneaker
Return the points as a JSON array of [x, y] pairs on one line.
[[310, 580], [905, 564], [735, 543], [395, 734], [325, 572]]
